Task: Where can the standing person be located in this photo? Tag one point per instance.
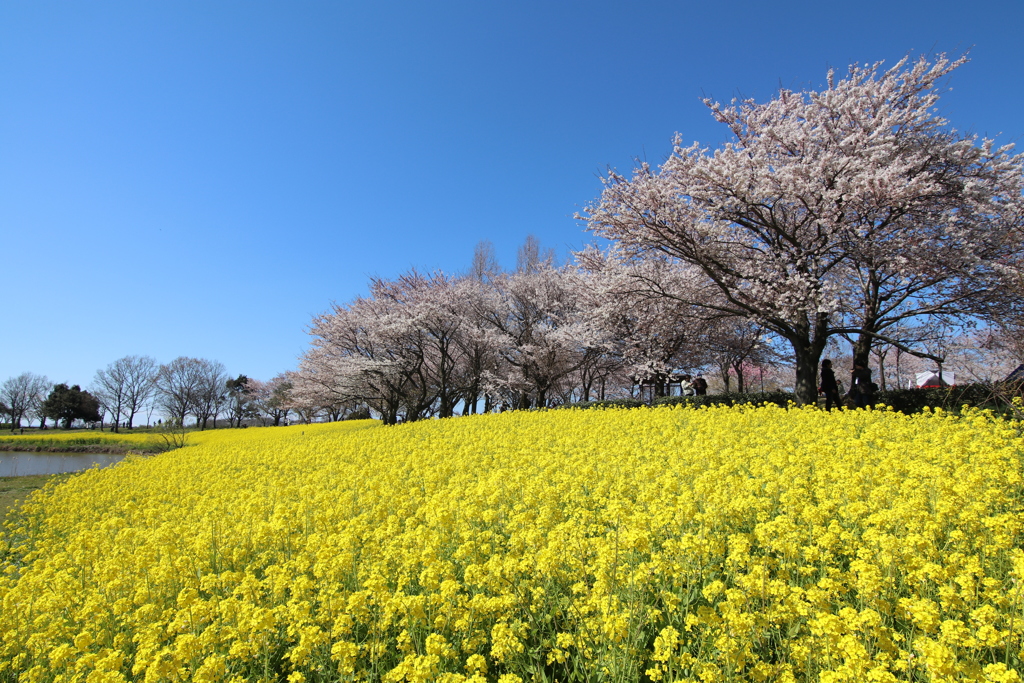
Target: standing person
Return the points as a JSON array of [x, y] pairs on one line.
[[829, 388], [685, 386], [700, 385], [860, 385]]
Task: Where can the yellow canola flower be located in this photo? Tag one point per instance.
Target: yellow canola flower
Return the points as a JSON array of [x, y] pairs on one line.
[[670, 544], [81, 437]]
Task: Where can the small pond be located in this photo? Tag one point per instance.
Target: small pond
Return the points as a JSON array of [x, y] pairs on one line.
[[15, 464]]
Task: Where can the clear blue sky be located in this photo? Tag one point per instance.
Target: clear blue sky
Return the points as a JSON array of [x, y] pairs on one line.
[[200, 178]]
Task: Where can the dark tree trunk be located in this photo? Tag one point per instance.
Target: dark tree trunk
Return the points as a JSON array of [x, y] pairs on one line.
[[740, 384], [862, 349], [869, 321], [447, 408], [807, 359], [659, 386]]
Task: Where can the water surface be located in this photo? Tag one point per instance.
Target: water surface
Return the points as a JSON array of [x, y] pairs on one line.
[[16, 464]]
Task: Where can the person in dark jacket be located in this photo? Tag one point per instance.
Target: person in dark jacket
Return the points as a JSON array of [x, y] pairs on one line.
[[860, 386], [829, 388]]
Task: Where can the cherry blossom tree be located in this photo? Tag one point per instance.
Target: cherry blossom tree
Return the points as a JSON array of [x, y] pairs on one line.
[[259, 392], [538, 331], [644, 311], [434, 317], [736, 344], [309, 398], [478, 340], [274, 397], [366, 350], [1006, 335], [415, 347], [422, 343], [841, 211]]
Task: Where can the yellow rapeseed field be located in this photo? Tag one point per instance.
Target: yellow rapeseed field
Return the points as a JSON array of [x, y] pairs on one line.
[[670, 544], [72, 435], [142, 439]]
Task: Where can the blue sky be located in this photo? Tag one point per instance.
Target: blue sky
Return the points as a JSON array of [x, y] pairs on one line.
[[200, 179]]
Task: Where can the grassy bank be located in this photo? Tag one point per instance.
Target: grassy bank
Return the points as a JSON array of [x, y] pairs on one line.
[[83, 441], [15, 490]]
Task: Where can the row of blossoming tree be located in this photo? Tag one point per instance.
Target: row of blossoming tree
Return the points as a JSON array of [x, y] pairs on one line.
[[426, 344], [854, 212]]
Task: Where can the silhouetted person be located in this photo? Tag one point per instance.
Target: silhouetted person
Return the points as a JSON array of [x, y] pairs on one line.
[[860, 385], [829, 388]]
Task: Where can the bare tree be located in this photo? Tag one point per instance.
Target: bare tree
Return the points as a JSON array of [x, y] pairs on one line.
[[192, 386], [140, 385], [178, 384], [485, 263], [21, 394], [211, 392], [40, 390], [530, 256], [125, 385]]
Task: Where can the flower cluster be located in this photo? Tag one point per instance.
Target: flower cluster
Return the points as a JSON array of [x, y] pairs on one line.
[[667, 544]]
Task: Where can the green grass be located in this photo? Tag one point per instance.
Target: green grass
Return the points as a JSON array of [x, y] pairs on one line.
[[14, 490]]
